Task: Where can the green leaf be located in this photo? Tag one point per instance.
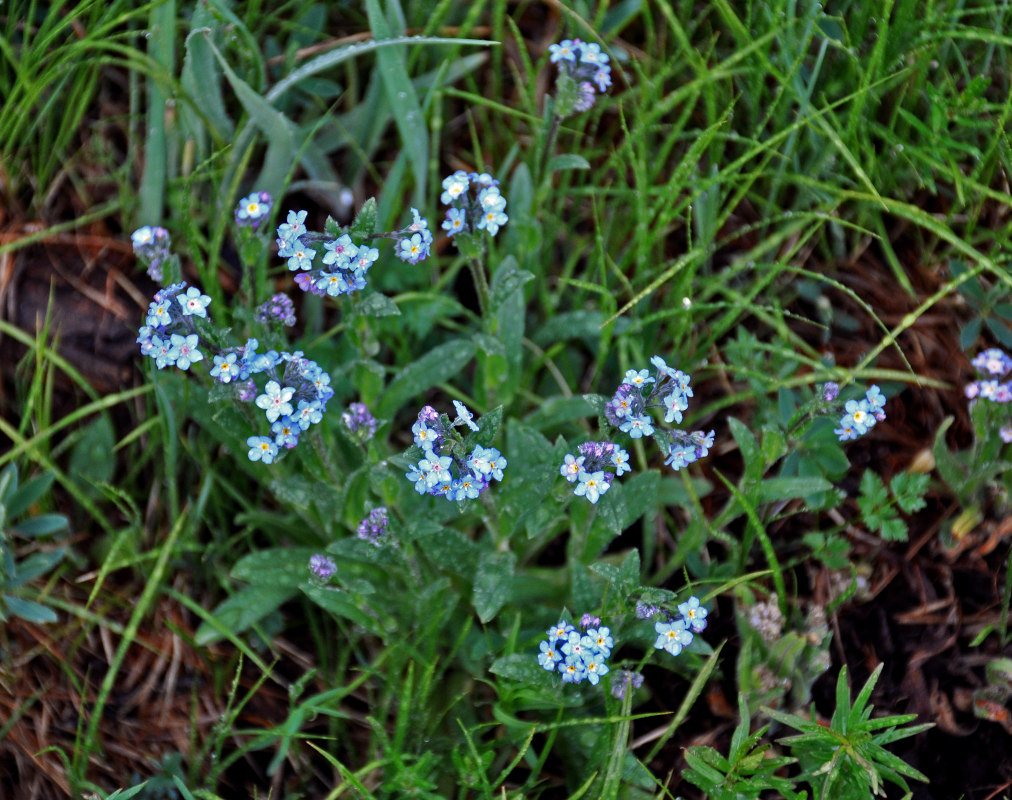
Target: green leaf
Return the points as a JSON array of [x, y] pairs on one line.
[[342, 604], [365, 220], [774, 489], [21, 499], [277, 129], [519, 667], [488, 426], [563, 409], [894, 530], [242, 610], [507, 279], [629, 571], [37, 564], [377, 305], [873, 495], [447, 547], [909, 488], [436, 366], [277, 567], [403, 99], [201, 82], [28, 609], [493, 584], [952, 472], [42, 525], [750, 452], [8, 483], [568, 161]]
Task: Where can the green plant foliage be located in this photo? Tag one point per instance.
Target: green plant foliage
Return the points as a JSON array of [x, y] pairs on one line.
[[748, 770], [878, 504], [847, 758], [730, 204], [18, 523]]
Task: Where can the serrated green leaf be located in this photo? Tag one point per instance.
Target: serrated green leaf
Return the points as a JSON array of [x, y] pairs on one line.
[[894, 530], [909, 488], [873, 491]]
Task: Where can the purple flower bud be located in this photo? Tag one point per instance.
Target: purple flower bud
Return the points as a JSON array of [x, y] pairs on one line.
[[359, 422], [247, 391], [830, 391], [623, 681], [374, 527], [646, 610], [322, 567], [279, 308]]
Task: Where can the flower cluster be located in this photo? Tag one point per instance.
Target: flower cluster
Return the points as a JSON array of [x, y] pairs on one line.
[[576, 656], [297, 389], [593, 470], [253, 210], [151, 246], [374, 527], [994, 365], [322, 567], [415, 241], [169, 334], [676, 634], [586, 66], [861, 415], [625, 680], [294, 397], [598, 463], [345, 263], [279, 308], [475, 202], [359, 422], [444, 470]]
